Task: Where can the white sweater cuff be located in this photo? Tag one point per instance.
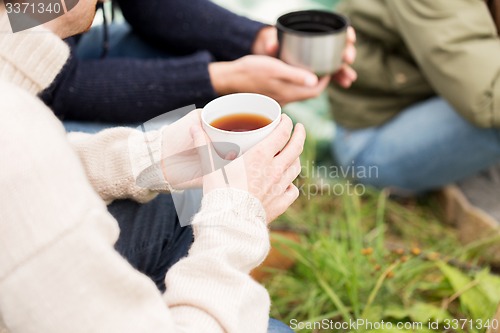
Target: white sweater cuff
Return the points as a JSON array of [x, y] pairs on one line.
[[232, 218], [229, 202], [122, 163]]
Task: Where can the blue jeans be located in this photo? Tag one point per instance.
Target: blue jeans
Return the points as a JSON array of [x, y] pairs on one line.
[[122, 43], [425, 147], [276, 326]]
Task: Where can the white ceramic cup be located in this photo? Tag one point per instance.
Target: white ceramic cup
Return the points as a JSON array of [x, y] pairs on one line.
[[225, 142]]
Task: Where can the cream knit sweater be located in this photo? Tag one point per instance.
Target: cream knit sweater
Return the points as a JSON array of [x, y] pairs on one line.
[[59, 272]]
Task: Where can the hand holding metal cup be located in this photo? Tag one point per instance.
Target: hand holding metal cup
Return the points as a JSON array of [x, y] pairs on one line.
[[313, 40]]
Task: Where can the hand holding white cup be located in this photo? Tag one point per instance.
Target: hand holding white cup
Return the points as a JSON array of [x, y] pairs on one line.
[[267, 170], [239, 121]]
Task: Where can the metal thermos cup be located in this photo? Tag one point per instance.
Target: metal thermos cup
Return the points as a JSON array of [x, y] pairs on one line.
[[313, 39]]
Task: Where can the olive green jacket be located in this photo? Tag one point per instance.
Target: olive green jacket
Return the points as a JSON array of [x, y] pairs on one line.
[[410, 50]]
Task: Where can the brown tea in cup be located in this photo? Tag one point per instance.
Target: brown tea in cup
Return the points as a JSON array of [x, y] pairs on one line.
[[241, 122]]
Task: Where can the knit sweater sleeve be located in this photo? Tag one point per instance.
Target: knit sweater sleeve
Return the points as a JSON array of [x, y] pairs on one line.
[[192, 25], [59, 272], [114, 160], [30, 59], [125, 90]]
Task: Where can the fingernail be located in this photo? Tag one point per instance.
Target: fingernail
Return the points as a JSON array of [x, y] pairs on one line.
[[311, 81], [231, 156]]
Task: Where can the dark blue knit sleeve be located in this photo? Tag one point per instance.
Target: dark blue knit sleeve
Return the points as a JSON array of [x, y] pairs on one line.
[[189, 25], [123, 90]]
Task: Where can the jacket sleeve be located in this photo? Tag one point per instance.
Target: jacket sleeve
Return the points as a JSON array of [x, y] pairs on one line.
[[192, 25], [458, 49]]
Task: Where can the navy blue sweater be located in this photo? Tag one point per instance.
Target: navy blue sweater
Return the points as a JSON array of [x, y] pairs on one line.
[[122, 90]]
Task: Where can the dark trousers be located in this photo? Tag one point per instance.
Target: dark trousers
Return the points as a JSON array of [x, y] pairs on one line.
[[151, 238]]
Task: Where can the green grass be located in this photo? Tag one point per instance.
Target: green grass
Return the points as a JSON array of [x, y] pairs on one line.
[[369, 257]]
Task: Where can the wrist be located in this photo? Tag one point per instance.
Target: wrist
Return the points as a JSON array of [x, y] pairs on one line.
[[222, 77]]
